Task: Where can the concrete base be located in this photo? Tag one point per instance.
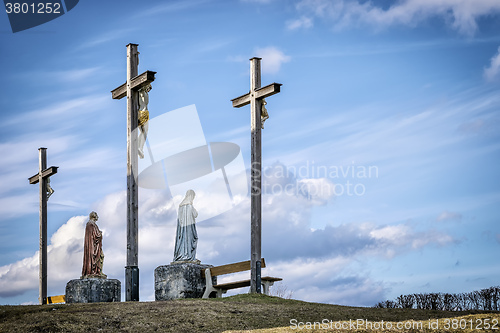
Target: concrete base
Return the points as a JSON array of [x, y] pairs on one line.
[[180, 280], [93, 290]]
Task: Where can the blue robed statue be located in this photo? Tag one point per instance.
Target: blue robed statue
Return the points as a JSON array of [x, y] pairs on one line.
[[186, 238]]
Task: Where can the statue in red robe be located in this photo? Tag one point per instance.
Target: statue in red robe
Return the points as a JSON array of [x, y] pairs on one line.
[[93, 257]]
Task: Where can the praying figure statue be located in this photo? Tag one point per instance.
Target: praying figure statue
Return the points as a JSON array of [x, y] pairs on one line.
[[93, 257], [143, 117], [186, 238], [263, 113]]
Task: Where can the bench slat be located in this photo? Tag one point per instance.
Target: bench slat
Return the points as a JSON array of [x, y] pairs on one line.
[[270, 278], [233, 285], [244, 283], [232, 268]]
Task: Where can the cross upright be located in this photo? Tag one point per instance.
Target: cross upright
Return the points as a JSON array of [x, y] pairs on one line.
[[130, 90], [255, 98], [42, 177]]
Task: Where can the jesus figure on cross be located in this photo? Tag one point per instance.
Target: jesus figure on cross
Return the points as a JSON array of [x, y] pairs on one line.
[[143, 118]]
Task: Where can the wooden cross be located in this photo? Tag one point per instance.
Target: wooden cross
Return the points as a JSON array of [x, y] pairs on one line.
[[130, 90], [42, 177], [254, 98]]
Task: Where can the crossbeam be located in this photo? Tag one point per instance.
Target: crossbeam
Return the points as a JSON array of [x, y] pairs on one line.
[[260, 93], [136, 83], [45, 174]]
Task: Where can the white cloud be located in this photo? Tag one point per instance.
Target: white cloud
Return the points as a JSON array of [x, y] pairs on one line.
[[447, 216], [62, 110], [170, 7], [302, 22], [279, 180], [106, 37], [18, 197], [492, 71], [76, 149], [272, 59], [64, 259], [461, 14], [20, 160], [318, 190], [75, 74], [330, 280], [391, 234]]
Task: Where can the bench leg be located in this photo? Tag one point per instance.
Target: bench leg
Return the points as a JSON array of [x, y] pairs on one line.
[[266, 285], [220, 292], [208, 291], [208, 284]]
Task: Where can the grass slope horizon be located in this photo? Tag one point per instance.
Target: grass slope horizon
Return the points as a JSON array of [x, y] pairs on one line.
[[228, 314]]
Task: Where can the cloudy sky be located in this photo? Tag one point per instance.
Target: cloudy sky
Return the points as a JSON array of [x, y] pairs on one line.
[[381, 152]]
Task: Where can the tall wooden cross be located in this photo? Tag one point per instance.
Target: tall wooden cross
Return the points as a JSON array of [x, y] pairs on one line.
[[254, 98], [42, 177], [130, 90]]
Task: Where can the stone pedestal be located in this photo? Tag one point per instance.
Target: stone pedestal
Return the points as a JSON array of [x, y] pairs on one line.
[[180, 280], [93, 290]]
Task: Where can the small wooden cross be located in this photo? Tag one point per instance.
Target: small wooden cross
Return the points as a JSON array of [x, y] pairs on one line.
[[255, 98], [130, 90], [42, 177]]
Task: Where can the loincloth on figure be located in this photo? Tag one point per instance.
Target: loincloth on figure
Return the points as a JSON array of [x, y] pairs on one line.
[[143, 117]]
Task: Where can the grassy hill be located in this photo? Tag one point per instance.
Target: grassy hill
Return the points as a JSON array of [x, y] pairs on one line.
[[234, 314]]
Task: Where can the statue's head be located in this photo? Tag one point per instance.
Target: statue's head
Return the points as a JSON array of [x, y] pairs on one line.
[[93, 216], [188, 199], [147, 88]]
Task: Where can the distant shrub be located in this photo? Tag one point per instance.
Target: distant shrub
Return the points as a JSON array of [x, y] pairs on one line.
[[485, 299], [280, 290]]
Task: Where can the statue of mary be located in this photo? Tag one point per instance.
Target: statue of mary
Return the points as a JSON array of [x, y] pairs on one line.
[[186, 238]]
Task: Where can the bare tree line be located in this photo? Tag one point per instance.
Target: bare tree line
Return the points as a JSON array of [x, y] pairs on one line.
[[484, 299]]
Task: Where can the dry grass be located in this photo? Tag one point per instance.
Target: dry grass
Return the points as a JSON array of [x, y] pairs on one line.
[[231, 314]]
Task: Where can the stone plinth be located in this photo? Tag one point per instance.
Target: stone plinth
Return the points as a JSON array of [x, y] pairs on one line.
[[93, 290], [180, 280]]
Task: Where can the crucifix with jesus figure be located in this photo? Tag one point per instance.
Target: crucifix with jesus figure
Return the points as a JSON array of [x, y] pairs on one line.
[[258, 114], [136, 90], [42, 177]]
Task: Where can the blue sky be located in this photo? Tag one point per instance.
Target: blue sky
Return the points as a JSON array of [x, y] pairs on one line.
[[407, 88]]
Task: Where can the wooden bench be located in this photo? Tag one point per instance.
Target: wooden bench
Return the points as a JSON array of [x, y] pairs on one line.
[[222, 288]]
